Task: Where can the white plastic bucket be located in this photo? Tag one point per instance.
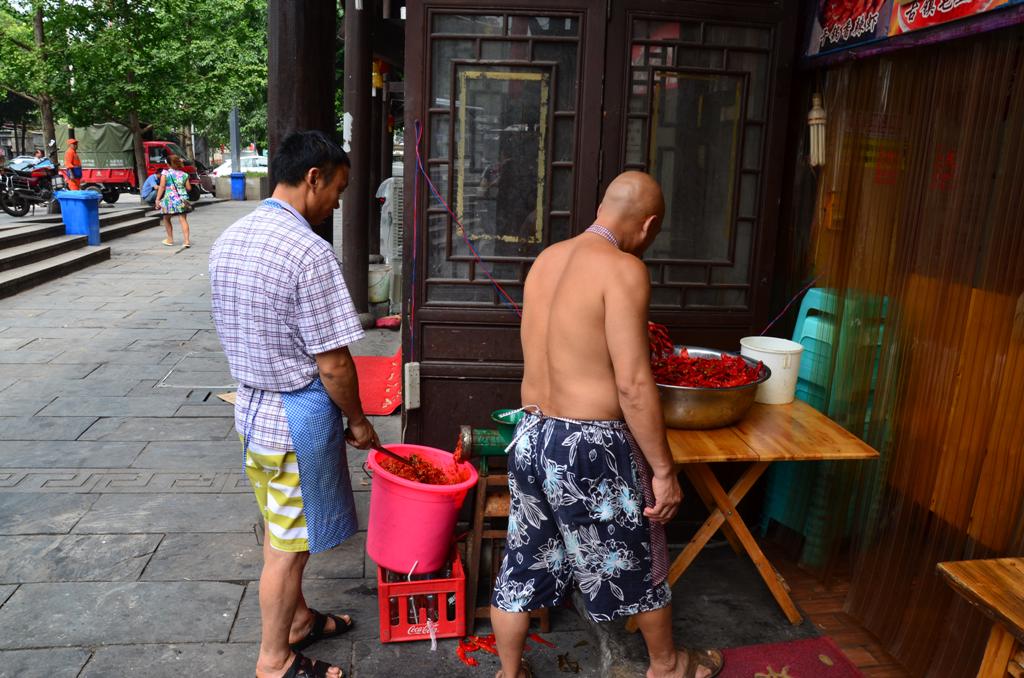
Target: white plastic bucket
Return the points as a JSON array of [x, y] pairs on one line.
[[782, 357], [379, 283]]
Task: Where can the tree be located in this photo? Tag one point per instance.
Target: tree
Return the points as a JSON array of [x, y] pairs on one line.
[[45, 102], [226, 46], [161, 64], [25, 63], [122, 65]]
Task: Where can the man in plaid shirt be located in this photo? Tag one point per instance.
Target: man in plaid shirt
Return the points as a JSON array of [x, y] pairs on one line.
[[285, 320]]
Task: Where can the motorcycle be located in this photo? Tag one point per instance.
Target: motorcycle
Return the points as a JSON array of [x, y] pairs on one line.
[[27, 183]]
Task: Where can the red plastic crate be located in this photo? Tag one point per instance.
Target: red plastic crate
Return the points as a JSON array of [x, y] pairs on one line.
[[451, 623]]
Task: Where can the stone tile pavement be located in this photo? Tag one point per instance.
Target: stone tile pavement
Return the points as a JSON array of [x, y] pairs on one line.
[[128, 534]]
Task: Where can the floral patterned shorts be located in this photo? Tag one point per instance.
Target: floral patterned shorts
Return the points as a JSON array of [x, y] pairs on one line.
[[577, 516]]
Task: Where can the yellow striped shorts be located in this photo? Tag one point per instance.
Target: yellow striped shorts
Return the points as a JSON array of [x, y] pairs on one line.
[[274, 476]]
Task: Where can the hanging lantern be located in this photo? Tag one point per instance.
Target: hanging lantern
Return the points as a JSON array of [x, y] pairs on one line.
[[816, 121]]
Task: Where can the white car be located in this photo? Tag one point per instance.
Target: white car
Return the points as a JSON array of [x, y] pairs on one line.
[[253, 164]]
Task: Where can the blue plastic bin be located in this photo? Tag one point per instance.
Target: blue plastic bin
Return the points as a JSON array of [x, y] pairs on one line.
[[80, 211], [237, 186]]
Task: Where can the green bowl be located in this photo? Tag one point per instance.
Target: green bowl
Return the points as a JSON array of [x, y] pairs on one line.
[[506, 419]]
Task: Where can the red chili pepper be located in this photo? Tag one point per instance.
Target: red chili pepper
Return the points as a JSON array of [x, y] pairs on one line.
[[419, 470], [682, 370], [486, 643], [661, 343], [536, 637], [461, 652]]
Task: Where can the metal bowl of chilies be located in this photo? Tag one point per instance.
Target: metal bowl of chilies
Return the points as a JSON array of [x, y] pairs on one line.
[[691, 407]]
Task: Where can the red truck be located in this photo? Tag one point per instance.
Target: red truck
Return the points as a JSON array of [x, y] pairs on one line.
[[108, 160]]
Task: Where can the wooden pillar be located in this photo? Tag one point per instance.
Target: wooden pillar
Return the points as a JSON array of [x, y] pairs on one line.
[[356, 201], [300, 74], [392, 91], [375, 171], [387, 144]]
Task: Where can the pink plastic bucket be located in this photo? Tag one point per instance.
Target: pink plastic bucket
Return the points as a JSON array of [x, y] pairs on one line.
[[412, 523]]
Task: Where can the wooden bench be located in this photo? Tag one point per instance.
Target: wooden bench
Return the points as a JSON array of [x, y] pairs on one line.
[[996, 587]]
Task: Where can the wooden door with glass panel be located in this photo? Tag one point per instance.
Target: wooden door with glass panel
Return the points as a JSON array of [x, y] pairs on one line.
[[697, 97], [510, 138]]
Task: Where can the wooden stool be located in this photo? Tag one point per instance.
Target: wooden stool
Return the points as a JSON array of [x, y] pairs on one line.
[[492, 501], [996, 588]]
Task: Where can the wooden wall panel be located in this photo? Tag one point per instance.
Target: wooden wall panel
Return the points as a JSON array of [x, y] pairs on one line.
[[468, 343], [919, 204]]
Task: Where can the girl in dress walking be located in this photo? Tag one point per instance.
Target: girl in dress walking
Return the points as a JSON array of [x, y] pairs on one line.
[[172, 198]]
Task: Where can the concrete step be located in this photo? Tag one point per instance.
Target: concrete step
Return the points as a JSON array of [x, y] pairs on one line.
[[13, 257], [14, 237], [111, 214], [108, 217], [124, 228], [30, 275], [41, 217]]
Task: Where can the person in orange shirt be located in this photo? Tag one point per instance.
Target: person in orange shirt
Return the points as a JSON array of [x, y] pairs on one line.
[[73, 165]]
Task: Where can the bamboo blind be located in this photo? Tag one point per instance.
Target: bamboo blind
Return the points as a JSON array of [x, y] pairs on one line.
[[920, 207]]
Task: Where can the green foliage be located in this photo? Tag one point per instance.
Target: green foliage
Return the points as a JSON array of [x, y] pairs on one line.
[[117, 51], [21, 68], [226, 66], [170, 63]]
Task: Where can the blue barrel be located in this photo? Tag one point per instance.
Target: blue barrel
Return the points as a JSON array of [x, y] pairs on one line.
[[237, 186], [80, 211]]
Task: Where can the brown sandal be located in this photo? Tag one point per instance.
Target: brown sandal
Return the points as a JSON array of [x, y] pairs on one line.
[[703, 659], [304, 667], [317, 633]]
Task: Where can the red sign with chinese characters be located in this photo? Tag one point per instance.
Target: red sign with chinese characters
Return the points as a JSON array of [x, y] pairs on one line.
[[846, 23], [918, 14]]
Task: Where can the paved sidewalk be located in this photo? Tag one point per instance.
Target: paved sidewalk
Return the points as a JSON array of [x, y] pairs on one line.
[[127, 529]]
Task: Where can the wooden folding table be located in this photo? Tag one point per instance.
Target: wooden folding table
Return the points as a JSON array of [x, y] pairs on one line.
[[769, 433]]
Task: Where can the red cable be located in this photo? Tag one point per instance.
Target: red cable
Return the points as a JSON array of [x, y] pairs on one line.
[[462, 229]]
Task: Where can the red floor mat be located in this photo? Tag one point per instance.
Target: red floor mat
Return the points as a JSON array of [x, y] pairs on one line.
[[808, 658], [380, 383]]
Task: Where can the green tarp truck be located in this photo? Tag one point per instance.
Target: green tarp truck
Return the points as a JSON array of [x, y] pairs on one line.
[[108, 159]]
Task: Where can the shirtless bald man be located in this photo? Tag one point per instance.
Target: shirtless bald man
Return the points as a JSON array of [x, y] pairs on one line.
[[590, 472]]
